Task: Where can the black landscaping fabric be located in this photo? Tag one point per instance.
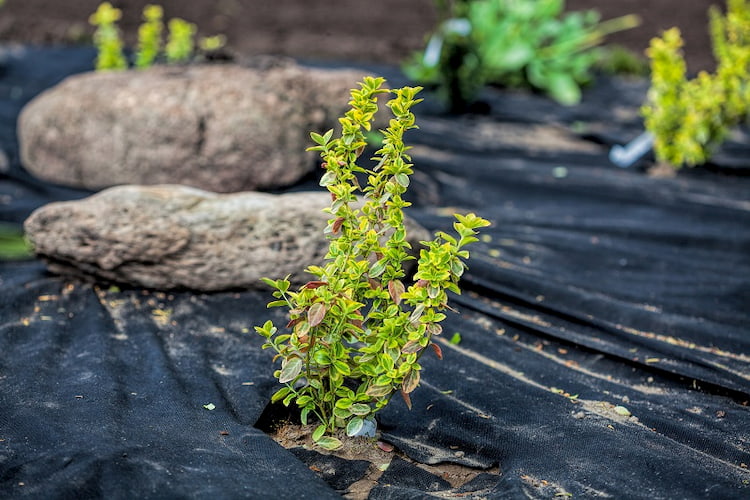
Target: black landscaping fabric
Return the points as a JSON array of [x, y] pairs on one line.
[[595, 288]]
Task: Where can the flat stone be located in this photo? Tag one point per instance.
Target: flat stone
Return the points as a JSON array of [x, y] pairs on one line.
[[172, 236], [220, 127]]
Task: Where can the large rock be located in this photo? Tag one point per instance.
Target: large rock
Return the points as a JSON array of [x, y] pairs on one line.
[[172, 236], [223, 128]]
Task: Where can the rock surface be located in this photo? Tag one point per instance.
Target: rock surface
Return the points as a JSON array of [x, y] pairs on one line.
[[221, 127], [173, 236]]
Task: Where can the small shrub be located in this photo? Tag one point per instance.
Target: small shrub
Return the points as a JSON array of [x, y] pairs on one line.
[[180, 44], [691, 118], [107, 38], [520, 43], [149, 36], [356, 332]]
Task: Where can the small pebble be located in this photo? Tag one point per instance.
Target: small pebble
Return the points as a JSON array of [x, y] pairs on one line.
[[579, 415]]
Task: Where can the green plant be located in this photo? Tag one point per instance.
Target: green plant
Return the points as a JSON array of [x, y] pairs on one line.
[[618, 60], [180, 43], [107, 38], [149, 36], [179, 47], [13, 244], [689, 119], [207, 44], [356, 331], [515, 43]]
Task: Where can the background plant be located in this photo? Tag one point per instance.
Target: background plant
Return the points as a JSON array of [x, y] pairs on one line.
[[179, 46], [514, 43], [149, 36], [691, 118], [356, 332], [107, 38], [13, 244]]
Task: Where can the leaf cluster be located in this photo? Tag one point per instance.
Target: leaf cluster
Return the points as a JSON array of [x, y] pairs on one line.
[[690, 118], [356, 332], [179, 46], [516, 43]]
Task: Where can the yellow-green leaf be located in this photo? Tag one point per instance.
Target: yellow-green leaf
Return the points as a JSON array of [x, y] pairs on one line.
[[290, 370], [329, 443]]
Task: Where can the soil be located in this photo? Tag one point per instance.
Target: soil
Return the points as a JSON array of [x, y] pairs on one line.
[[378, 453], [385, 31]]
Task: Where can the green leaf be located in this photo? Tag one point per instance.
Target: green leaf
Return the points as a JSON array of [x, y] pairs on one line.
[[328, 179], [322, 357], [563, 88], [377, 391], [386, 362], [304, 400], [341, 413], [318, 432], [377, 268], [342, 368], [402, 179], [303, 415], [321, 139], [354, 426], [276, 303], [280, 394], [288, 399], [344, 403], [514, 57], [455, 339], [210, 406], [329, 443], [359, 409], [291, 368]]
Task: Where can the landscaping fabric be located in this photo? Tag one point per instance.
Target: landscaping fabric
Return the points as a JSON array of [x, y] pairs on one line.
[[604, 347]]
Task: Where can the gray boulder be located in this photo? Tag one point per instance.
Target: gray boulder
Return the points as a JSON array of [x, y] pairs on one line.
[[224, 128], [173, 236]]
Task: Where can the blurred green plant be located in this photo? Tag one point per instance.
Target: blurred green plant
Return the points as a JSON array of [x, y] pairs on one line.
[[513, 43], [179, 47], [619, 60], [107, 38], [181, 43], [357, 332], [689, 119], [149, 36], [13, 244], [208, 44]]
